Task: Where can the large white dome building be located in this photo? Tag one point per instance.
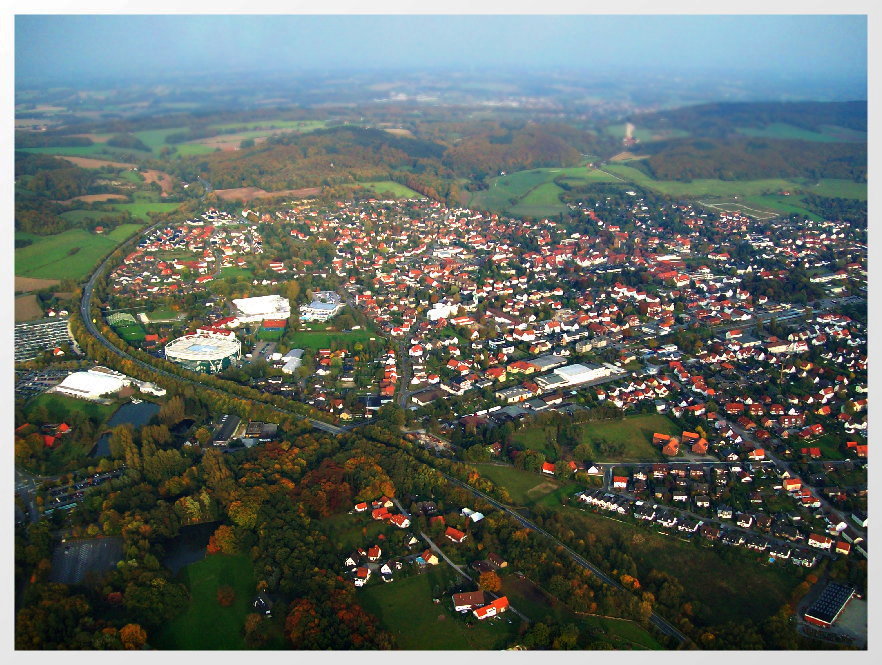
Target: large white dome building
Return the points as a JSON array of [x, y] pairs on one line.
[[204, 351]]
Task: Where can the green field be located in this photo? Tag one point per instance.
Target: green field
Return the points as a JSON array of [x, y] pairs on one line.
[[781, 130], [540, 606], [730, 584], [348, 532], [50, 257], [95, 150], [527, 488], [163, 315], [397, 190], [205, 625], [299, 125], [131, 333], [633, 432], [533, 192], [140, 209], [728, 189], [61, 407], [406, 610], [322, 340], [124, 232], [270, 335]]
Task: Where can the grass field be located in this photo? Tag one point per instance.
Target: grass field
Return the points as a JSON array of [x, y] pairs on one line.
[[780, 130], [527, 488], [322, 340], [398, 190], [729, 584], [94, 150], [140, 208], [61, 407], [633, 432], [539, 606], [348, 532], [727, 189], [299, 125], [124, 232], [533, 192], [205, 625], [78, 215], [405, 609], [50, 257]]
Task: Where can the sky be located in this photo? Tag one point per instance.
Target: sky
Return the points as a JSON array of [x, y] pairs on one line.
[[74, 48]]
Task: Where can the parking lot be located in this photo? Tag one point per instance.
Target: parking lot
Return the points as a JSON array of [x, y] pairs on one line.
[[73, 560]]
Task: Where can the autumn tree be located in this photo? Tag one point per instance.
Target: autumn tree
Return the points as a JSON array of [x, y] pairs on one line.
[[489, 581], [132, 636]]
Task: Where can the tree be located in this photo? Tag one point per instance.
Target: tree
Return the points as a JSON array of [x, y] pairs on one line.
[[489, 581], [225, 595], [203, 435], [132, 636]]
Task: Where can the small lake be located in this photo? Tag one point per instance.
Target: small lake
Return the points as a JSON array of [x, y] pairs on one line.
[[188, 547], [136, 415]]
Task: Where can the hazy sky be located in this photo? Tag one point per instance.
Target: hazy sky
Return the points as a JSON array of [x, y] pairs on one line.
[[72, 47]]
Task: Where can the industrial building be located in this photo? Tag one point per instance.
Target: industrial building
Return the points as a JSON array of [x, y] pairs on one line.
[[98, 381], [829, 605], [207, 352], [324, 305]]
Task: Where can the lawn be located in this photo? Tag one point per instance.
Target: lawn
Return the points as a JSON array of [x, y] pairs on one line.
[[397, 190], [348, 532], [234, 272], [61, 407], [645, 135], [124, 232], [71, 254], [730, 584], [405, 609], [634, 432], [527, 488], [205, 625]]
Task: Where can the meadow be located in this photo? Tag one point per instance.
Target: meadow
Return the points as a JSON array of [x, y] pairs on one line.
[[533, 192], [71, 254], [205, 625], [728, 189], [645, 135], [633, 433], [323, 339], [61, 407], [397, 190]]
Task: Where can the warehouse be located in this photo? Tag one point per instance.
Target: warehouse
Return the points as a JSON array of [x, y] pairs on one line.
[[829, 605], [91, 384]]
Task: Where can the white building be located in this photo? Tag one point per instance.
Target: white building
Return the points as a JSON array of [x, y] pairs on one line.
[[324, 305], [99, 381], [252, 310], [293, 359]]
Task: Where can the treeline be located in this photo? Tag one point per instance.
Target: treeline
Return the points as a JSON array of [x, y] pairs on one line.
[[752, 159], [722, 119], [46, 139], [846, 210]]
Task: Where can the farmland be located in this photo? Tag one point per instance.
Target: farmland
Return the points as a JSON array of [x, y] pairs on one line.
[[533, 192], [205, 625], [645, 135], [727, 189], [306, 339], [405, 609], [71, 254], [397, 190]]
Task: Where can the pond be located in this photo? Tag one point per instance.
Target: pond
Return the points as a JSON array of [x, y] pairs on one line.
[[188, 547], [136, 415]]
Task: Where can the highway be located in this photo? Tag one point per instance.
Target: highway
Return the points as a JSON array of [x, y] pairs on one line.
[[92, 329], [663, 625]]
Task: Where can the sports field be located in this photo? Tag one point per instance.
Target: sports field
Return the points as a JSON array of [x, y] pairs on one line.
[[205, 625], [322, 340], [61, 407]]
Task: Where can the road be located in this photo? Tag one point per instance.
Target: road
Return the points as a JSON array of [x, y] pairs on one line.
[[660, 623], [785, 466], [92, 329], [459, 569]]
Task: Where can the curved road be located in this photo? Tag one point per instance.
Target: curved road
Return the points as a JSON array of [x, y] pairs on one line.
[[664, 626], [92, 329]]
